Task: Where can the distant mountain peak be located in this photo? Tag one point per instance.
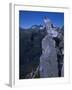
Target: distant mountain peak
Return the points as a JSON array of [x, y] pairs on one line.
[[37, 27]]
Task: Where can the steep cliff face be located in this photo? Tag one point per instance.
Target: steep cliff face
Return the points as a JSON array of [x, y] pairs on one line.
[[48, 59], [51, 60]]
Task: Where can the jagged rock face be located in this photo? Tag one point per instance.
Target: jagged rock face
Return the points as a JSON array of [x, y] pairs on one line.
[[50, 30], [47, 23], [52, 51], [48, 59]]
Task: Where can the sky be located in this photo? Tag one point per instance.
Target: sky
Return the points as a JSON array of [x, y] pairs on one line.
[[30, 18]]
